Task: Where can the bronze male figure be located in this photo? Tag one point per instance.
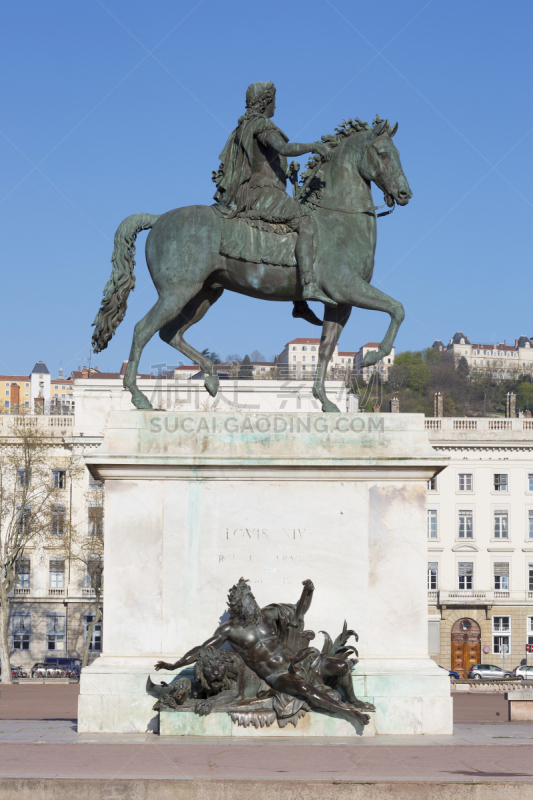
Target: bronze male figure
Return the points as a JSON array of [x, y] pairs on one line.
[[252, 180], [254, 634]]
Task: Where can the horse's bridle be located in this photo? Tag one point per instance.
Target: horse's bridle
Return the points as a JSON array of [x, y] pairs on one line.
[[363, 211]]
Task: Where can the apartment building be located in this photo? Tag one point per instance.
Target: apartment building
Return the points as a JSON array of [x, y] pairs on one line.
[[480, 542], [381, 368], [52, 603]]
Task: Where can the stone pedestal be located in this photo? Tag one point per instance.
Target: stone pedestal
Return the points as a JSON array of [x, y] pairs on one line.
[[194, 501]]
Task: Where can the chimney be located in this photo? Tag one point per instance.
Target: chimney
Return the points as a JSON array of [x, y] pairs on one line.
[[85, 373], [38, 405], [394, 405], [505, 342], [438, 405], [516, 342], [510, 405]]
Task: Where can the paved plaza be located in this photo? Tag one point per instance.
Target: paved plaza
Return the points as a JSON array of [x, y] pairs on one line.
[[485, 747]]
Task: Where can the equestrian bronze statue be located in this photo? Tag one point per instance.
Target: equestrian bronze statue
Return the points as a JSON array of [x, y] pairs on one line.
[[258, 241]]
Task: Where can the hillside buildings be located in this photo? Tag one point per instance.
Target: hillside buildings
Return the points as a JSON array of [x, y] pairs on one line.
[[499, 361], [299, 359]]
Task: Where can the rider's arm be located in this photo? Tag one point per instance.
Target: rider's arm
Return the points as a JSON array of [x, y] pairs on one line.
[[276, 141], [217, 640]]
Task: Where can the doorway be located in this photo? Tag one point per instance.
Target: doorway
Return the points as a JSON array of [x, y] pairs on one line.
[[466, 645]]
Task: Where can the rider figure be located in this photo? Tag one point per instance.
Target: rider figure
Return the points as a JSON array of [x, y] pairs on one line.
[[252, 180]]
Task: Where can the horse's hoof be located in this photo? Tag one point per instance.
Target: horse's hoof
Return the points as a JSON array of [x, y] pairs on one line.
[[330, 408], [142, 402], [211, 383]]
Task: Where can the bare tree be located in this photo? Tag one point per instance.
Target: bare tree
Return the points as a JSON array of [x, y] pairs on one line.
[[33, 511], [257, 356], [86, 551]]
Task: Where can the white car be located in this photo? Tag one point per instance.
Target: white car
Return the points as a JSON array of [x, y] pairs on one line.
[[526, 673]]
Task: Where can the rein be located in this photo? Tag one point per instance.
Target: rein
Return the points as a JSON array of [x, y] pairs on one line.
[[363, 211]]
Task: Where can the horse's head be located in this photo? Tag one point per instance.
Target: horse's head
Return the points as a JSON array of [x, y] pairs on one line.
[[380, 162]]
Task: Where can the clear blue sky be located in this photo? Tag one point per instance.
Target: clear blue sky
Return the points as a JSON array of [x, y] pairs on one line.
[[117, 107]]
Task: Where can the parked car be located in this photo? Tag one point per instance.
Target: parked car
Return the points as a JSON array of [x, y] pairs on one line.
[[526, 673], [450, 672], [43, 670], [488, 672]]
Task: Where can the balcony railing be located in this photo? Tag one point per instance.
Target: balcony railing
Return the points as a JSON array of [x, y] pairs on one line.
[[21, 592], [56, 592], [477, 424], [479, 596], [88, 593]]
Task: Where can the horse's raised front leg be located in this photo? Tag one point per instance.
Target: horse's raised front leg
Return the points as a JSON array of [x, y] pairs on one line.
[[334, 321], [173, 332], [363, 295]]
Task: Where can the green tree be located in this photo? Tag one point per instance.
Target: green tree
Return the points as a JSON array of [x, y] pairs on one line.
[[246, 370], [524, 396]]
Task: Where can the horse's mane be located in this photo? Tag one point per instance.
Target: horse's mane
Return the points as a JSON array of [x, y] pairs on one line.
[[342, 132]]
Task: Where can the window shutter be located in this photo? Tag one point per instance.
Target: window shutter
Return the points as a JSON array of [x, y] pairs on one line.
[[501, 569]]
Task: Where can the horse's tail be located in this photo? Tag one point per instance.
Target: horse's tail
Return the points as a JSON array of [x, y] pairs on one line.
[[122, 280]]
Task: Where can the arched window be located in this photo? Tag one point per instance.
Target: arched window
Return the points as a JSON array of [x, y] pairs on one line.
[[313, 348]]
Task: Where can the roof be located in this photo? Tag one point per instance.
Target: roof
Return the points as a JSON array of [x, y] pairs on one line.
[[437, 343], [372, 344], [457, 338], [523, 341], [14, 377], [304, 341], [61, 379], [188, 367], [41, 368], [494, 346], [104, 375], [347, 353]]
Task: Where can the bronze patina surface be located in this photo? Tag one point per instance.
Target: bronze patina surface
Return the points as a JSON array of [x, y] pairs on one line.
[[271, 673], [260, 242]]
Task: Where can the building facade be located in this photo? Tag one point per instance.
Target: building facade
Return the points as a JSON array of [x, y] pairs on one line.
[[52, 603], [480, 542], [498, 361], [381, 368]]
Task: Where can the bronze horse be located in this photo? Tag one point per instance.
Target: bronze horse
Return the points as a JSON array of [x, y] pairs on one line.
[[190, 274]]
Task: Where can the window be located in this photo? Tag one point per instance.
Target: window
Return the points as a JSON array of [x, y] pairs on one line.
[[312, 358], [500, 483], [96, 638], [303, 358], [433, 573], [95, 520], [501, 575], [59, 479], [58, 520], [530, 523], [466, 574], [55, 631], [530, 482], [6, 404], [63, 396], [303, 366], [23, 478], [294, 358], [294, 348], [24, 520], [465, 482], [7, 392], [432, 523], [26, 394], [294, 366], [56, 387], [432, 484], [501, 525], [57, 573], [21, 626], [27, 404], [313, 348], [501, 644], [27, 385], [530, 630], [465, 525], [63, 388], [530, 569], [22, 573]]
